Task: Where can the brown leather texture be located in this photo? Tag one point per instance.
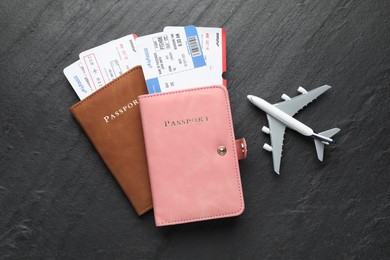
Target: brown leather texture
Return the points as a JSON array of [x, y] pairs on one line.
[[111, 119]]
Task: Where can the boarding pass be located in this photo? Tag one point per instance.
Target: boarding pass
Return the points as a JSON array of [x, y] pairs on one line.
[[213, 43], [177, 58], [173, 60], [110, 60]]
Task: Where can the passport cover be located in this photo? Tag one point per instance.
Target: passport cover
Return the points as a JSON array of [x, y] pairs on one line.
[[192, 155], [111, 119]]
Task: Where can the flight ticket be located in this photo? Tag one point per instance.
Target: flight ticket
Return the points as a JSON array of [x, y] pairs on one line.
[[106, 62], [213, 42], [177, 58], [173, 60], [78, 79]]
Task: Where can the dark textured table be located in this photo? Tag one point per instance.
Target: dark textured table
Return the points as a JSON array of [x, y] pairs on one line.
[[58, 200]]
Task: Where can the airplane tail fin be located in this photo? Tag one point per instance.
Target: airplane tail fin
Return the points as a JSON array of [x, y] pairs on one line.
[[320, 145]]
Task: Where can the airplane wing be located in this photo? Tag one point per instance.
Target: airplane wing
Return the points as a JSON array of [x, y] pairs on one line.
[[277, 132], [292, 106]]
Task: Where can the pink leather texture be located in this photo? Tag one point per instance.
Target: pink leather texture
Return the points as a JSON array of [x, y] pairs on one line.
[[191, 179]]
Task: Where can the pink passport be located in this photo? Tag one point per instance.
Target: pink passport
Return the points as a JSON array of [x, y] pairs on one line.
[[192, 155]]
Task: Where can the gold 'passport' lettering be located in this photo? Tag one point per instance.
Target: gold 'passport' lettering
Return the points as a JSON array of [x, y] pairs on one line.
[[186, 121], [120, 111]]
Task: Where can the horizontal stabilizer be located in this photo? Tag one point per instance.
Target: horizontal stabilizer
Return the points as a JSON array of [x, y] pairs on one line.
[[320, 149], [320, 145], [331, 132]]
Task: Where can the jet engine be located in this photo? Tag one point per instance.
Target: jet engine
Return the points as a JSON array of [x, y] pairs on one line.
[[302, 90], [265, 130], [267, 147], [285, 97]]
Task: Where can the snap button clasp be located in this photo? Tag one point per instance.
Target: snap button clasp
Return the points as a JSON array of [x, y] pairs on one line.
[[222, 150]]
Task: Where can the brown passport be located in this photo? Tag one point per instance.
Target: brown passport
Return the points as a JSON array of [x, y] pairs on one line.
[[112, 121]]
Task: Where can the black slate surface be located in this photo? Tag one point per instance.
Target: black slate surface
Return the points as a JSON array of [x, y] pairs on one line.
[[58, 200]]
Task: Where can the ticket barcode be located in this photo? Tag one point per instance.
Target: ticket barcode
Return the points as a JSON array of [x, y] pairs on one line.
[[194, 46], [160, 43]]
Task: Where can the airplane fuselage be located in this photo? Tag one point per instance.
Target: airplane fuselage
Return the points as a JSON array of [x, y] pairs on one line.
[[287, 120], [281, 116]]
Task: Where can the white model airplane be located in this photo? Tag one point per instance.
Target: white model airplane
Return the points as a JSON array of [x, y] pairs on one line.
[[280, 116]]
